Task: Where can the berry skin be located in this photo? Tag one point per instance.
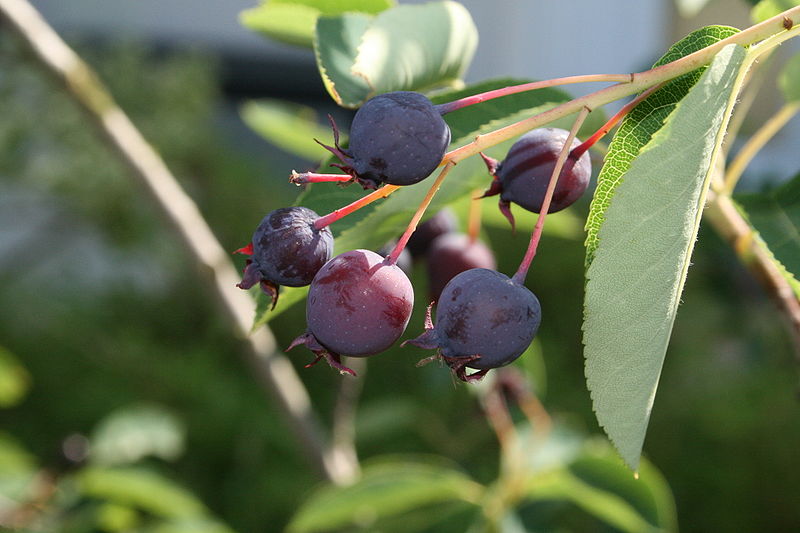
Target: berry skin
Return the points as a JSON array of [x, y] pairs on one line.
[[397, 138], [286, 249], [358, 305], [453, 253], [484, 320], [442, 222], [523, 177]]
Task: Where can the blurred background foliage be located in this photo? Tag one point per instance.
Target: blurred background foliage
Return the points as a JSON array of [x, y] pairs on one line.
[[125, 406]]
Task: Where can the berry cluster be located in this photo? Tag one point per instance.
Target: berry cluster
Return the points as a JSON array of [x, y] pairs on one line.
[[359, 302]]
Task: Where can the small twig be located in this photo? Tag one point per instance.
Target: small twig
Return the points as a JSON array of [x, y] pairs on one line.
[[273, 371], [756, 142], [751, 251]]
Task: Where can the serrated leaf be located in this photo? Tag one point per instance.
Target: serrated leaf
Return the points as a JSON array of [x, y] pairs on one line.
[[635, 281], [769, 8], [289, 126], [14, 379], [384, 490], [776, 216], [293, 21], [789, 80], [408, 47], [641, 123]]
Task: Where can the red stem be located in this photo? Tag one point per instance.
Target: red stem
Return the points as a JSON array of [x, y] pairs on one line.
[[530, 253], [613, 121], [401, 244], [505, 91], [333, 216], [313, 177]]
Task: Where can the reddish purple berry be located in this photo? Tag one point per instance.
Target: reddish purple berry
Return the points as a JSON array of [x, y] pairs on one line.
[[453, 253], [442, 222], [484, 320], [358, 305], [523, 177], [286, 249]]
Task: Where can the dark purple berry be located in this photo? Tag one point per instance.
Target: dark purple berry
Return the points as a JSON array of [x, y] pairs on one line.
[[484, 320], [442, 222], [397, 138], [453, 253], [525, 173], [286, 250], [358, 305]]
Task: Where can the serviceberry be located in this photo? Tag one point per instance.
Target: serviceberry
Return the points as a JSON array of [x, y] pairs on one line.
[[286, 249], [358, 305], [484, 320], [442, 222], [525, 173], [397, 138], [453, 253]]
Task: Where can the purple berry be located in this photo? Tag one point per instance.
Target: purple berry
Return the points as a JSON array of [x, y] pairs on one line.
[[453, 253], [286, 249], [442, 222], [525, 173], [484, 320], [397, 138], [358, 305]]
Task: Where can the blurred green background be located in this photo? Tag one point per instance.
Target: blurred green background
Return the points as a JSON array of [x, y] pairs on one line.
[[113, 353]]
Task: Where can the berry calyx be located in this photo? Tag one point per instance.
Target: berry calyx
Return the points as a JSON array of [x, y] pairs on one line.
[[484, 320], [286, 249], [523, 177], [397, 138], [358, 305]]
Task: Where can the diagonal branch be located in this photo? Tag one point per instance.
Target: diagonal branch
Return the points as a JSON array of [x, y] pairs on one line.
[[272, 370]]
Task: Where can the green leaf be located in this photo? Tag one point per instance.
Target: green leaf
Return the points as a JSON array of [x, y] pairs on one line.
[[599, 484], [14, 379], [635, 281], [641, 123], [291, 127], [386, 489], [776, 216], [133, 433], [293, 21], [409, 47], [789, 80], [142, 489], [769, 8]]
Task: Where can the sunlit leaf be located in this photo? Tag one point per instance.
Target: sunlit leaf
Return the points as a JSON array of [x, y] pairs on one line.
[[641, 123], [293, 21], [291, 127], [635, 282], [409, 47]]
